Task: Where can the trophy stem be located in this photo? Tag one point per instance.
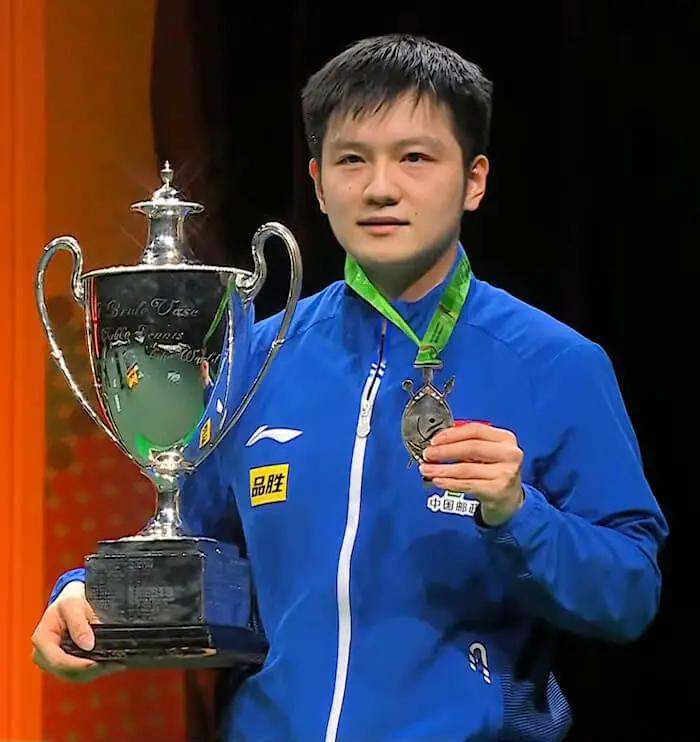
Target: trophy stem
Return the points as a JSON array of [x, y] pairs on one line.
[[166, 522]]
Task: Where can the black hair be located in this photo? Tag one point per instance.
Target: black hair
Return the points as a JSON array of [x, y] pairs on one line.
[[374, 72]]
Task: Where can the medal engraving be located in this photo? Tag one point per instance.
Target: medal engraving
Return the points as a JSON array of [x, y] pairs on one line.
[[425, 415]]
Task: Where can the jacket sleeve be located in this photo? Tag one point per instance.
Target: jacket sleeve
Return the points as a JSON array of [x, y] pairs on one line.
[[207, 504], [207, 507], [581, 553]]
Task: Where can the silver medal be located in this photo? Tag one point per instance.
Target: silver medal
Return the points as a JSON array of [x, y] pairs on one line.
[[425, 414]]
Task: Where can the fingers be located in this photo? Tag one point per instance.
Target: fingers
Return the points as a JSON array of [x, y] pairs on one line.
[[68, 615], [468, 472], [71, 615], [48, 655], [450, 484], [467, 450], [52, 658], [47, 652], [74, 669], [473, 430]]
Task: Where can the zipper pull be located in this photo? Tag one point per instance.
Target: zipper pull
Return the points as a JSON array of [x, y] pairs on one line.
[[363, 422]]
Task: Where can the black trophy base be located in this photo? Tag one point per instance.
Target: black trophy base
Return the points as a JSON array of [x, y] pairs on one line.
[[183, 602], [180, 647]]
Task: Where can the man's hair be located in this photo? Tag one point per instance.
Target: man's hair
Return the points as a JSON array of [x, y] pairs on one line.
[[376, 71]]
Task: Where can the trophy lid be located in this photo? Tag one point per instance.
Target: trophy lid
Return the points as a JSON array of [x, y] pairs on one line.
[[166, 213]]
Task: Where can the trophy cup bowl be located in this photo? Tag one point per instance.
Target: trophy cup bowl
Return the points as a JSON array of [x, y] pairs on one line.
[[169, 342]]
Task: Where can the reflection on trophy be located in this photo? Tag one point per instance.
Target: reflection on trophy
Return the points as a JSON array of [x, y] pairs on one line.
[[169, 343]]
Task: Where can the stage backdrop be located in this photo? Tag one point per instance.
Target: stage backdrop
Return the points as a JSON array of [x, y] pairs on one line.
[[100, 159], [77, 147], [22, 212]]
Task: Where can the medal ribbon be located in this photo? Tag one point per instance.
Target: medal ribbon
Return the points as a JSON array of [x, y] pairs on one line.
[[444, 318]]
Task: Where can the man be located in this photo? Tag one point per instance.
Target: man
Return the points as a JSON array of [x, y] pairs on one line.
[[418, 603]]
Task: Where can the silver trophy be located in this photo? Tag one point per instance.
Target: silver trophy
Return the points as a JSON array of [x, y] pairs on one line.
[[169, 343]]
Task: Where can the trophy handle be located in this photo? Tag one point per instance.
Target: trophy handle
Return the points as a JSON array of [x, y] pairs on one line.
[[70, 244], [250, 288]]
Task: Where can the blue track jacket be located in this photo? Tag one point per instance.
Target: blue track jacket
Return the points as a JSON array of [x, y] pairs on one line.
[[393, 614]]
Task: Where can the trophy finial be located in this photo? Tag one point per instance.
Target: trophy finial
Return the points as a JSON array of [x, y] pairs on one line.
[[166, 213], [166, 190], [166, 174]]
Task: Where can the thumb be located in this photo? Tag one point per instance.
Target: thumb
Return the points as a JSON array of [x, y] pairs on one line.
[[75, 612]]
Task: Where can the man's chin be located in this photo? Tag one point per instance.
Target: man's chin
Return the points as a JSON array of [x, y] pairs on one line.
[[395, 259], [384, 255]]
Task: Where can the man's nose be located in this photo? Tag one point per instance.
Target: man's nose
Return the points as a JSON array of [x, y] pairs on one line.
[[381, 188]]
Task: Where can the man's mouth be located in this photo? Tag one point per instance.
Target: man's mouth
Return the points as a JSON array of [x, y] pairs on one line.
[[382, 221], [382, 225]]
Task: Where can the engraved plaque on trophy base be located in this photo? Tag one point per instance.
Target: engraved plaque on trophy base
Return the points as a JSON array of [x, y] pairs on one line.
[[171, 603]]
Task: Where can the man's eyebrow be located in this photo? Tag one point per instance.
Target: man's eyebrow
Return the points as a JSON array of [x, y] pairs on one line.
[[420, 141]]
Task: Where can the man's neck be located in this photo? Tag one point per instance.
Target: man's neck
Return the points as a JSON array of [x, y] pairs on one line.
[[433, 277], [414, 282]]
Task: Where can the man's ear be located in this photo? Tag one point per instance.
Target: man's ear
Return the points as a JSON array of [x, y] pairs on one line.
[[315, 173], [476, 183]]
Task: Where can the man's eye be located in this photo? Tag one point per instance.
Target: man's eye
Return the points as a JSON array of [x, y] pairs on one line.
[[349, 160], [416, 157]]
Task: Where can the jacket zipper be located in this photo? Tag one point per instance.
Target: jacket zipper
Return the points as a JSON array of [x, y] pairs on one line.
[[369, 395]]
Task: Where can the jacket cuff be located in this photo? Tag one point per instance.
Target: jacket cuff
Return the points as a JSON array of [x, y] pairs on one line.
[[73, 575], [525, 525]]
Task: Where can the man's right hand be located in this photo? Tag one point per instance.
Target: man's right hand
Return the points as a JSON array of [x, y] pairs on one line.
[[69, 615]]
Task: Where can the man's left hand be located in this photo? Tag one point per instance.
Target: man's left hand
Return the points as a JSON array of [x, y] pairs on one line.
[[486, 465]]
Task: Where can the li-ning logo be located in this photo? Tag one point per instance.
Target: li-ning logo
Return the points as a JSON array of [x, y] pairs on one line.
[[280, 435], [478, 661]]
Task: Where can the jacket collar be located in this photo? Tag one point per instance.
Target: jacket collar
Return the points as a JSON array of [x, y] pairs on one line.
[[417, 313]]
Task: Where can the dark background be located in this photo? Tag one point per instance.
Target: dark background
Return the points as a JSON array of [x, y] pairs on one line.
[[589, 214]]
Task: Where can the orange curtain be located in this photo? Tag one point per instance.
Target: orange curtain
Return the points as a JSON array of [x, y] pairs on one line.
[[99, 160], [22, 219], [76, 148]]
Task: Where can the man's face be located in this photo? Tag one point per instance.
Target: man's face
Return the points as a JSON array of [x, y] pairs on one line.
[[393, 183]]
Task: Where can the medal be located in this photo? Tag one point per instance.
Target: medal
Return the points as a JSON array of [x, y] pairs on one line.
[[426, 414]]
